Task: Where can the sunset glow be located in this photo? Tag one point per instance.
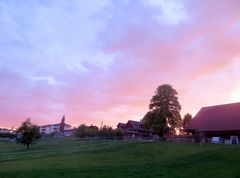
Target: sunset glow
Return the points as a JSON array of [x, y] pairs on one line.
[[101, 60]]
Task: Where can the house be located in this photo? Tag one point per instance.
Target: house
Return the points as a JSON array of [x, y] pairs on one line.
[[6, 131], [135, 129], [52, 128], [222, 121], [69, 132], [55, 128]]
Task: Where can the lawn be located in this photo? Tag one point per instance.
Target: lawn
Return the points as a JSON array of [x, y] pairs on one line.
[[69, 157]]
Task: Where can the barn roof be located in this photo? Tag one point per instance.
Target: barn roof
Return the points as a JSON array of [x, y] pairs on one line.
[[224, 117]]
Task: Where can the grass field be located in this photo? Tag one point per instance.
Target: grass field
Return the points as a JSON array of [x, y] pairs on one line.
[[70, 157]]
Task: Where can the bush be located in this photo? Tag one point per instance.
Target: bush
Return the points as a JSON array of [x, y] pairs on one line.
[[92, 131], [7, 135], [85, 131]]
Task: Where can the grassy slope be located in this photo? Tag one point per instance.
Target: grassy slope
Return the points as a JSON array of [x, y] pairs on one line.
[[73, 158]]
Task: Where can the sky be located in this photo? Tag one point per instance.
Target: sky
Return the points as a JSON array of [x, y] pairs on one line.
[[101, 61]]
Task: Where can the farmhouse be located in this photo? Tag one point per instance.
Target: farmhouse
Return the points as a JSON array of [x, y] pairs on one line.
[[5, 130], [221, 121], [135, 129], [55, 128]]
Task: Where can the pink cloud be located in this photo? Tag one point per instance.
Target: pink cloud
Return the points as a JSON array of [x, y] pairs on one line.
[[199, 47], [195, 56]]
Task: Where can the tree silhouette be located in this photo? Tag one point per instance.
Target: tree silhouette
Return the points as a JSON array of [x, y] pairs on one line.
[[28, 132], [186, 119], [62, 125], [164, 115]]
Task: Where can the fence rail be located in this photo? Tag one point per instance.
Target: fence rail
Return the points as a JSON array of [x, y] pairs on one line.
[[123, 138]]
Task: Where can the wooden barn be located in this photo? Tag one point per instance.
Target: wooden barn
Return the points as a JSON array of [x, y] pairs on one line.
[[221, 121]]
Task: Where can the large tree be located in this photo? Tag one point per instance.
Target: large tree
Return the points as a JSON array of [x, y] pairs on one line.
[[164, 115], [28, 132]]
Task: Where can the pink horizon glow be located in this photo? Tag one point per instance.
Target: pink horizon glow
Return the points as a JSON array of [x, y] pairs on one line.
[[102, 61]]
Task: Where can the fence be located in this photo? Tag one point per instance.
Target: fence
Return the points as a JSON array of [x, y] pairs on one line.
[[183, 139], [122, 138]]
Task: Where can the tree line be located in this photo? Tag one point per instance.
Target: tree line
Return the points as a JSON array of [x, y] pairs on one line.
[[92, 131]]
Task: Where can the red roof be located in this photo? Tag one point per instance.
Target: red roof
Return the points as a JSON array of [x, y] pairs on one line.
[[217, 118]]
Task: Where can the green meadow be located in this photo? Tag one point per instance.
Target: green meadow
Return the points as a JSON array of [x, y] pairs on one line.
[[70, 157]]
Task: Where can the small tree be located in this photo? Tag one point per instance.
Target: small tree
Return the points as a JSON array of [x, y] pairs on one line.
[[118, 132], [106, 131], [92, 131], [81, 131], [28, 132], [186, 119], [86, 131], [156, 121]]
